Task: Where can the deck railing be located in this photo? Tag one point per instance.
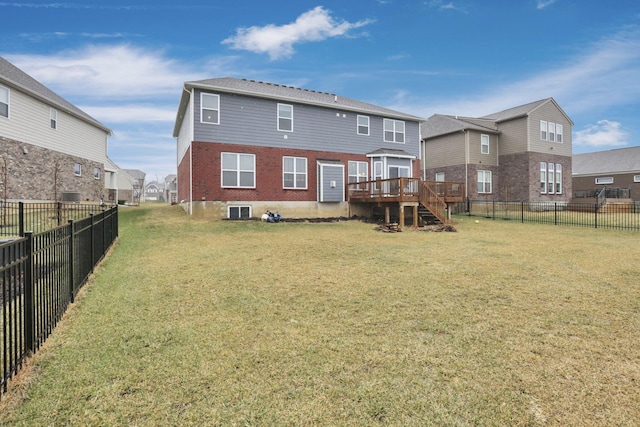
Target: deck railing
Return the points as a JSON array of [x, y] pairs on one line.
[[397, 188]]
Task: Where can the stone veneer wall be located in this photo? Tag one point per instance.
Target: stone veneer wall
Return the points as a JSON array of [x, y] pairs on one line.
[[31, 173]]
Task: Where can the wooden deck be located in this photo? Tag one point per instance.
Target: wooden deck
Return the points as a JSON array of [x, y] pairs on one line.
[[408, 192]]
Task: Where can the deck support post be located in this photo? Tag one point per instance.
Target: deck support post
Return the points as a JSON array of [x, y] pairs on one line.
[[401, 215], [387, 215], [415, 216]]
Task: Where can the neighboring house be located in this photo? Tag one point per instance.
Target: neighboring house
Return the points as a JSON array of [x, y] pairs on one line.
[[171, 189], [138, 185], [153, 191], [618, 170], [519, 154], [52, 149], [246, 146]]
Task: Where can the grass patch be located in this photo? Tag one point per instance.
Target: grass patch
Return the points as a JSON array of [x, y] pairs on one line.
[[248, 323]]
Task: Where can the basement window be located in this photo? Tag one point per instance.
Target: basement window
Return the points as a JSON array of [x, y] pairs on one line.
[[239, 212]]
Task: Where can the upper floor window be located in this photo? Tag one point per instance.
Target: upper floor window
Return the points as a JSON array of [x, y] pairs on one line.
[[484, 182], [550, 131], [484, 144], [294, 172], [363, 125], [636, 178], [238, 170], [394, 131], [53, 117], [4, 101], [558, 133], [285, 117], [210, 108], [77, 169]]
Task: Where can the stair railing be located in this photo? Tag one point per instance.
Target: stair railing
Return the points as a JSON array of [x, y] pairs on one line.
[[430, 200]]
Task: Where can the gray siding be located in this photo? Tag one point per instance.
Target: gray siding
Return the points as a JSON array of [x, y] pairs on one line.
[[550, 113], [248, 120], [448, 150], [326, 174], [513, 137], [475, 153]]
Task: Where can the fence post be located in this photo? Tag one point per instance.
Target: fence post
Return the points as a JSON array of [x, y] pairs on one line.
[[91, 239], [493, 208], [29, 300], [595, 213], [21, 219], [522, 212], [72, 285], [555, 213]]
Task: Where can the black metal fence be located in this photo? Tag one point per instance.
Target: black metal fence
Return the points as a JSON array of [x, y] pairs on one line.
[[18, 217], [40, 275], [624, 216]]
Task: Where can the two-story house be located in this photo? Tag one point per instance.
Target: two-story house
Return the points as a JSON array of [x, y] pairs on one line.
[[51, 148], [519, 154], [246, 146]]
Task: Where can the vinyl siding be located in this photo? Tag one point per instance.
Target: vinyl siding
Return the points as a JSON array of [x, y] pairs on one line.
[[29, 121], [550, 113], [248, 120], [184, 138], [475, 154], [513, 136], [448, 150]]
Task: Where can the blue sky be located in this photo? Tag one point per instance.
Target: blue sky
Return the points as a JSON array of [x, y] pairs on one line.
[[125, 62]]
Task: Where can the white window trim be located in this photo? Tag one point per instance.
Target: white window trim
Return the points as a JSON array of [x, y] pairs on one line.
[[551, 178], [238, 207], [77, 169], [360, 175], [394, 132], [559, 178], [358, 125], [285, 118], [439, 177], [543, 130], [203, 95], [296, 173], [559, 132], [53, 118], [237, 170], [8, 103], [603, 180], [484, 137], [636, 178], [484, 181], [543, 177], [97, 173]]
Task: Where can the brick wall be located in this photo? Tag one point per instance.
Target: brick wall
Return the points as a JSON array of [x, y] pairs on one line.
[[36, 173]]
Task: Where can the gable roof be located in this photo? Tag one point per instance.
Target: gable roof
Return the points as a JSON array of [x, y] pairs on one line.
[[620, 160], [439, 124], [283, 93], [523, 110], [18, 79]]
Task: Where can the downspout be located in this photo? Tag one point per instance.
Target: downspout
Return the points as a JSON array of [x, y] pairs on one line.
[[192, 124], [466, 163]]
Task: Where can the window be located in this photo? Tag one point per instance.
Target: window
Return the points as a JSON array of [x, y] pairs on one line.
[[96, 173], [238, 170], [285, 117], [358, 171], [558, 178], [605, 180], [363, 125], [484, 144], [394, 131], [559, 133], [53, 116], [543, 177], [294, 172], [551, 178], [440, 176], [210, 108], [552, 132], [239, 212], [77, 169], [543, 130], [4, 101], [636, 178], [484, 182]]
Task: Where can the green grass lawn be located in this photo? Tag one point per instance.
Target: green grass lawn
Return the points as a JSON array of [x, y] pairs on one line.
[[248, 323]]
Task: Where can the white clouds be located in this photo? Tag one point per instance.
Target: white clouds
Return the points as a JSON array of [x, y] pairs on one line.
[[604, 133], [277, 41], [544, 3], [441, 5]]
